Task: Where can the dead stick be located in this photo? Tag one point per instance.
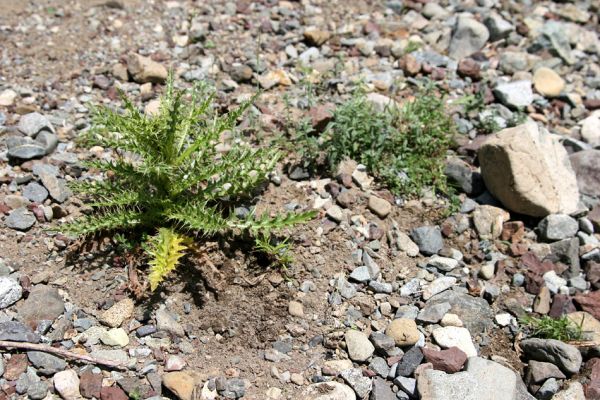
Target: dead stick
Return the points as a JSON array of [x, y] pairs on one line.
[[65, 353]]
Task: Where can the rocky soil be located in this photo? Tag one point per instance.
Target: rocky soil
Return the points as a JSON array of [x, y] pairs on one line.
[[387, 298]]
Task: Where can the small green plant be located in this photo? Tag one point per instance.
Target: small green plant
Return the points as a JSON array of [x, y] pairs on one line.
[[547, 327], [405, 147], [169, 179], [277, 251]]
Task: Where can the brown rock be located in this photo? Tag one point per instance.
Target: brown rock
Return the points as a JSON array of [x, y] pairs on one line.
[[547, 82], [409, 64], [113, 393], [535, 269], [404, 331], [321, 115], [15, 367], [541, 304], [467, 67], [539, 371], [119, 71], [144, 69], [379, 206], [590, 302], [90, 384], [118, 313], [536, 179], [592, 273], [562, 304], [592, 104], [180, 383], [44, 303], [450, 360], [513, 231], [489, 221], [316, 37], [592, 388]]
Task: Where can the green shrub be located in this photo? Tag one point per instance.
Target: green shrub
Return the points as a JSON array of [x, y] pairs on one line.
[[404, 147], [552, 328], [168, 176]]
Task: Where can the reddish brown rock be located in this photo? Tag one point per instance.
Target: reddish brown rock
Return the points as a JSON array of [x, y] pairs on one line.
[[592, 104], [113, 393], [592, 272], [592, 388], [535, 270], [562, 304], [321, 115], [467, 67], [15, 367], [518, 249], [450, 360], [90, 384], [590, 302]]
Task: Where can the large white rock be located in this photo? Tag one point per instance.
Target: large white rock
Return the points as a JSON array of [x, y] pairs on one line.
[[528, 170]]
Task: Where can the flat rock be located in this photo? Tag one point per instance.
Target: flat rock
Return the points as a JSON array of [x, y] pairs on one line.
[[57, 188], [438, 285], [586, 165], [44, 303], [167, 323], [565, 356], [438, 385], [489, 220], [20, 219], [46, 364], [573, 392], [450, 360], [17, 332], [328, 391], [495, 381], [537, 180], [35, 192], [379, 206], [31, 124]]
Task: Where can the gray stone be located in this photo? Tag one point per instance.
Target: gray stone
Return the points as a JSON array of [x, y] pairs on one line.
[[37, 390], [381, 390], [17, 332], [548, 389], [586, 165], [438, 285], [428, 238], [407, 385], [234, 388], [565, 356], [56, 187], [361, 274], [554, 33], [573, 392], [381, 287], [35, 192], [48, 141], [26, 152], [475, 313], [166, 322], [31, 124], [26, 379], [10, 291], [45, 363], [498, 27], [409, 362], [328, 391], [43, 303], [355, 379], [539, 372], [379, 366], [557, 227], [119, 356], [516, 94], [382, 342], [20, 219], [468, 37], [443, 264], [495, 380], [438, 385], [434, 313], [460, 173], [567, 251]]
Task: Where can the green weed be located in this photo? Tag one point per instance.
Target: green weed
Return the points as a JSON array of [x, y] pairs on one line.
[[547, 327]]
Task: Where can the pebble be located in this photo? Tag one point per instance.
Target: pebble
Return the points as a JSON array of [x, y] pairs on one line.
[[567, 357], [437, 286], [515, 95], [116, 337], [547, 82], [66, 384], [355, 379], [428, 239], [557, 227], [379, 206], [20, 219]]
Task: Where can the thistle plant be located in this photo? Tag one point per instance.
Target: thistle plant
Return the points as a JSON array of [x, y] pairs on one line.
[[168, 177]]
